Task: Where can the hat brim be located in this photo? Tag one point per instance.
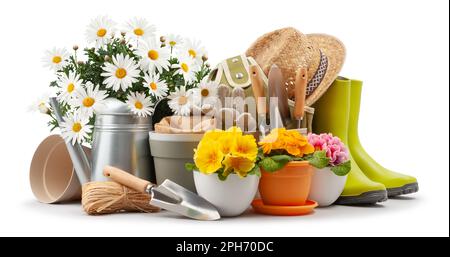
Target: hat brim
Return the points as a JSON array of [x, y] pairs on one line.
[[334, 49]]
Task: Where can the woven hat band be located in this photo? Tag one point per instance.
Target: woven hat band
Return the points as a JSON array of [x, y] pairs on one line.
[[319, 75]]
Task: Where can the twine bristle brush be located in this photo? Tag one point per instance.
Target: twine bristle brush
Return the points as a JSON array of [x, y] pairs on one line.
[[111, 197]]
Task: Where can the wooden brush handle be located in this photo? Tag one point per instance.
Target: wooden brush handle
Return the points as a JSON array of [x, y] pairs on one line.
[[126, 179], [258, 89], [301, 81]]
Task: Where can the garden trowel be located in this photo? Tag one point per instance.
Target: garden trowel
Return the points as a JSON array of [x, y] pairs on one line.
[[169, 195]]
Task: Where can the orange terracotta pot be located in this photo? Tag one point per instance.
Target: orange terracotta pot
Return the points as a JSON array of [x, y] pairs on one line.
[[289, 186]]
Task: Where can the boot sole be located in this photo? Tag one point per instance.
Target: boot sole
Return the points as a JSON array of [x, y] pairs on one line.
[[404, 190], [371, 197]]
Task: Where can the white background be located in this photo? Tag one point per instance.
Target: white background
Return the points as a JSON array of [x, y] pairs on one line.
[[398, 48]]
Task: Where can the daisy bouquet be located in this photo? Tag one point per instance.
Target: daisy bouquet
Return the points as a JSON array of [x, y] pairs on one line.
[[128, 63]]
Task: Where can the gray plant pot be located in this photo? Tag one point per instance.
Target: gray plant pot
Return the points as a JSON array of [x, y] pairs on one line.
[[170, 154]]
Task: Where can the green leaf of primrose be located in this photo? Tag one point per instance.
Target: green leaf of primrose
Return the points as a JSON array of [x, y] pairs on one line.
[[282, 158], [270, 164], [190, 166], [342, 169], [319, 160], [255, 171], [260, 153], [222, 176]]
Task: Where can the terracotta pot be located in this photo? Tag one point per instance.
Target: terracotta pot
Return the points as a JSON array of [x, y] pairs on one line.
[[289, 186]]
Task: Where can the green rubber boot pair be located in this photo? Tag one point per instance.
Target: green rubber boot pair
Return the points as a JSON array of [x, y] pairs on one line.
[[337, 112]]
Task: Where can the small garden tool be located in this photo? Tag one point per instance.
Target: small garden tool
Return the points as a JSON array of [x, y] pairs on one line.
[[301, 81], [279, 109], [169, 195], [260, 98], [234, 112]]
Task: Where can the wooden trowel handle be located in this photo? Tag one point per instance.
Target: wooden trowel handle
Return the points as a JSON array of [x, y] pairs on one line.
[[126, 179], [258, 89], [301, 81]]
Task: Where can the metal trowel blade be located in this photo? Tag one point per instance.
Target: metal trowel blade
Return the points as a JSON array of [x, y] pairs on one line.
[[175, 198]]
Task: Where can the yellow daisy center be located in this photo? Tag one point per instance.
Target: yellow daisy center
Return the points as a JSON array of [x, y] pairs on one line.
[[70, 87], [153, 86], [153, 55], [56, 59], [185, 67], [101, 32], [138, 32], [192, 53], [205, 92], [182, 100], [77, 127], [138, 105], [121, 73], [172, 43], [88, 102]]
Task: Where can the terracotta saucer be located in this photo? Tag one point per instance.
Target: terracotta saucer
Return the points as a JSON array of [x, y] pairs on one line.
[[259, 207]]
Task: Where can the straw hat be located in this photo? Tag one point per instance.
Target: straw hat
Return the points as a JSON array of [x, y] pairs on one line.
[[290, 50]]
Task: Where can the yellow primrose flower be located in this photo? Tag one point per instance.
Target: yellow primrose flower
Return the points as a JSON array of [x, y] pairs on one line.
[[245, 146], [290, 141], [227, 142], [208, 157], [213, 135], [235, 131], [240, 165]]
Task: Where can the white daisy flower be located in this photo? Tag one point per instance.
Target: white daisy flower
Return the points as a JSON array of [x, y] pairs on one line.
[[194, 49], [158, 88], [75, 128], [41, 104], [174, 41], [187, 67], [208, 92], [153, 55], [56, 58], [68, 84], [140, 104], [139, 28], [121, 74], [100, 31], [90, 100], [181, 101]]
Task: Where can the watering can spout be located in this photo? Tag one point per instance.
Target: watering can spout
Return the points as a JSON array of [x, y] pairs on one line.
[[79, 158]]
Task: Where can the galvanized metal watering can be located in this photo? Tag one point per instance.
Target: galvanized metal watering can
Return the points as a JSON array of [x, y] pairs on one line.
[[121, 139]]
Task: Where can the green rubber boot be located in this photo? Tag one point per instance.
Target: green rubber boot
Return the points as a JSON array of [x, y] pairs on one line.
[[332, 112], [396, 183]]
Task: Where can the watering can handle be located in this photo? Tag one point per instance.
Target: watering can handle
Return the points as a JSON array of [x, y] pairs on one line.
[[126, 179], [77, 155]]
